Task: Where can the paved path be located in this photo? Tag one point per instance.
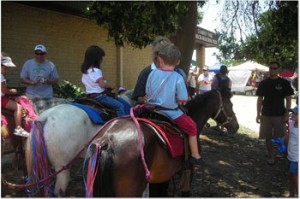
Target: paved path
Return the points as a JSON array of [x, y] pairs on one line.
[[245, 110]]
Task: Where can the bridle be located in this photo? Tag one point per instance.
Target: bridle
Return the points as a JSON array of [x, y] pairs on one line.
[[222, 109]]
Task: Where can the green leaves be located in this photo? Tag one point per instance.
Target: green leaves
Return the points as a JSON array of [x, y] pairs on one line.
[[137, 23], [67, 90], [275, 39]]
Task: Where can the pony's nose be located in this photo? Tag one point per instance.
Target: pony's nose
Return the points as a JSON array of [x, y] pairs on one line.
[[233, 126]]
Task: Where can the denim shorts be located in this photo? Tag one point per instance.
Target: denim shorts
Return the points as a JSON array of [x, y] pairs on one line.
[[292, 167]]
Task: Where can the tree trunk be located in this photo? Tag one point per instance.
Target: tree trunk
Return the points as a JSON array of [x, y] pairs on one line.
[[184, 38]]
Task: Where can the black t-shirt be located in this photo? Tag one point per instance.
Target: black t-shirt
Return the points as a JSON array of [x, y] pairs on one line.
[[273, 92], [140, 86]]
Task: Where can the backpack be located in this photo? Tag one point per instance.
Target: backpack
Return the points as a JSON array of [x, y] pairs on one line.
[[223, 83]]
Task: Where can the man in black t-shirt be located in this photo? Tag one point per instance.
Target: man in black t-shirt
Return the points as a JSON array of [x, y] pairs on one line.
[[273, 103]]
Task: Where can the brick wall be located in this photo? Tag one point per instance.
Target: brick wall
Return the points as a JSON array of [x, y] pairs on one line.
[[66, 38]]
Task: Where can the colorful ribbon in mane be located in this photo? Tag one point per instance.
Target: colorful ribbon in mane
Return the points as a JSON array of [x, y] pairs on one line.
[[39, 161], [91, 169]]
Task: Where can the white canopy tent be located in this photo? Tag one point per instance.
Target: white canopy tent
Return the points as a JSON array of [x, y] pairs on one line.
[[249, 66], [239, 79], [240, 75]]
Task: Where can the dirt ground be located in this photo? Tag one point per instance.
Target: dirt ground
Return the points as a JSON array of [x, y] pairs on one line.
[[235, 167]]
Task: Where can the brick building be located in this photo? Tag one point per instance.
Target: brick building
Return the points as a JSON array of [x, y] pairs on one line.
[[66, 36]]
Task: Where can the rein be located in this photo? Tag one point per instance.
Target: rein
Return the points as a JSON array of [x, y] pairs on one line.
[[147, 172], [222, 109]]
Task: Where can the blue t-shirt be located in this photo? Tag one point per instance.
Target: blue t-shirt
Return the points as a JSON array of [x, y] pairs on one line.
[[165, 88], [33, 70]]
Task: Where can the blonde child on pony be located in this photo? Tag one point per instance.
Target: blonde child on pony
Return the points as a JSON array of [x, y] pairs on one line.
[[166, 88]]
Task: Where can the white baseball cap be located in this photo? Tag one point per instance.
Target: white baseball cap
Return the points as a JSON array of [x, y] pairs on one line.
[[6, 61], [40, 47]]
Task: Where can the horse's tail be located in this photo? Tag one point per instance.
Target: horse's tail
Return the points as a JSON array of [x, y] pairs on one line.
[[37, 160], [99, 178]]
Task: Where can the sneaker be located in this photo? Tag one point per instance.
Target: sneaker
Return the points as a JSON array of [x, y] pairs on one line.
[[195, 161], [21, 132]]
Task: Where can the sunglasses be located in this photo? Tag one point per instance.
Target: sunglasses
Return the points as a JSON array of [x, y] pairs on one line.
[[271, 68], [40, 54]]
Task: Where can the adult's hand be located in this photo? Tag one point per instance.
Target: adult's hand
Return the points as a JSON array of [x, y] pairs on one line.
[[141, 100], [258, 119]]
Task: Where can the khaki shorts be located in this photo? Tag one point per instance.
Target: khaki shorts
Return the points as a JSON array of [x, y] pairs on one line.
[[271, 127]]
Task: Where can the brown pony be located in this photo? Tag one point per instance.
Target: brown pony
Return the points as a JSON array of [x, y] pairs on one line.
[[121, 172]]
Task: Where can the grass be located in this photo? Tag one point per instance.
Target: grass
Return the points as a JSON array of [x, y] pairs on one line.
[[243, 131]]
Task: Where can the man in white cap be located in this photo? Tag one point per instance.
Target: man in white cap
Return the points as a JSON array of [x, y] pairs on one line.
[[204, 81], [39, 74], [8, 103]]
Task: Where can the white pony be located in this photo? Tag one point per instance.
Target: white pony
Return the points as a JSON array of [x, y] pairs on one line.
[[67, 129]]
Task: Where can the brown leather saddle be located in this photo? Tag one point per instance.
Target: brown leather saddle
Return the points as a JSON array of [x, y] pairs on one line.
[[160, 119], [105, 112], [164, 122]]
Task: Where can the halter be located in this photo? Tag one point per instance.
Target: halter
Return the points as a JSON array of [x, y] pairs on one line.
[[221, 109]]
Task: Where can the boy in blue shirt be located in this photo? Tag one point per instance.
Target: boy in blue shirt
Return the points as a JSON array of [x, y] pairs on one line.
[[166, 88]]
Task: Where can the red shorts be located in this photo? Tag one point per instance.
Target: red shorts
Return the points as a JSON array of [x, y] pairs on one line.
[[186, 124], [4, 101]]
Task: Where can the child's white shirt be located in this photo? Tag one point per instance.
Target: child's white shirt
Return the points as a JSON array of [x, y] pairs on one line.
[[293, 145]]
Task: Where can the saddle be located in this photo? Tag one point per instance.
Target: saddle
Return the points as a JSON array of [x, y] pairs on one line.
[[105, 112], [170, 136]]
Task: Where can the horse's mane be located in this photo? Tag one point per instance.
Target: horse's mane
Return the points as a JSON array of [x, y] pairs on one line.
[[199, 100], [42, 104]]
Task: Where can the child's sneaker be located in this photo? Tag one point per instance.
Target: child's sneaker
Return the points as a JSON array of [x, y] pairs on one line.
[[21, 132]]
